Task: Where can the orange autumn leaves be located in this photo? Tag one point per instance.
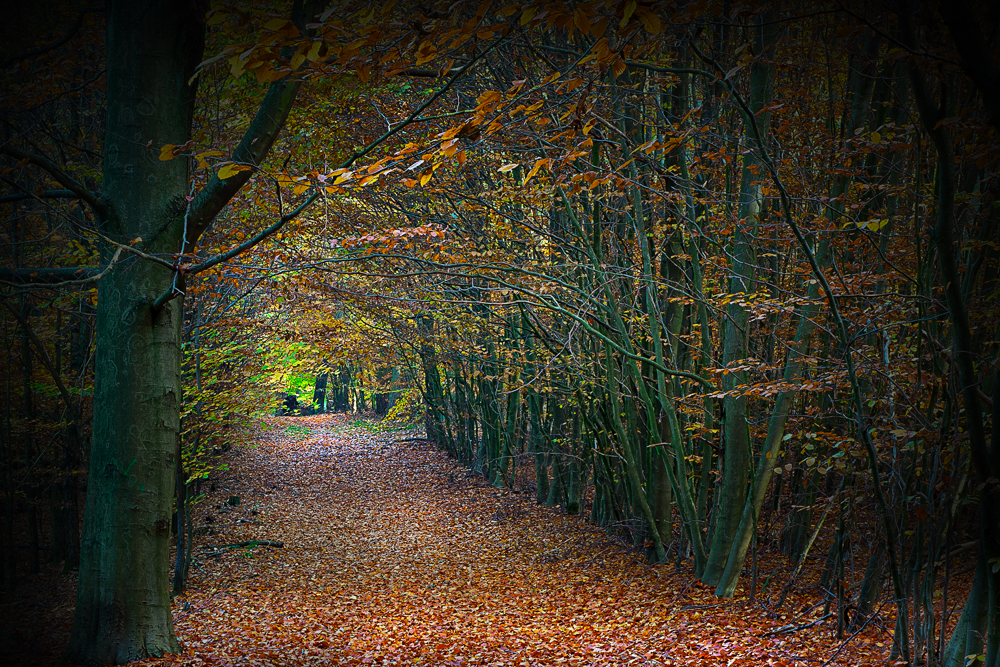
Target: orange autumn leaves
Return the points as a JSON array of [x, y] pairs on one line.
[[394, 554]]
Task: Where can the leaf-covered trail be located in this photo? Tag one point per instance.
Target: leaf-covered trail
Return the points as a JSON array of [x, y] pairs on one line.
[[394, 554]]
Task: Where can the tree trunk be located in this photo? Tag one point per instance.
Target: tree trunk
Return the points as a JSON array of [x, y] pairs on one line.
[[31, 489], [319, 394], [736, 457], [123, 603]]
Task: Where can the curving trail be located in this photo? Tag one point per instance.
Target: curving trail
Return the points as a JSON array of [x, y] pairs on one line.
[[396, 555]]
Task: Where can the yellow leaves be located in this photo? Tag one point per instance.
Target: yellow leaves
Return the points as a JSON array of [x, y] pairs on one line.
[[876, 137], [217, 17], [345, 176], [542, 162], [489, 99], [366, 17], [528, 14], [426, 177], [267, 74], [312, 55], [275, 25], [167, 152], [387, 7], [449, 148], [170, 151], [427, 52], [202, 162], [650, 21], [598, 29], [237, 66], [231, 169], [297, 60], [629, 10]]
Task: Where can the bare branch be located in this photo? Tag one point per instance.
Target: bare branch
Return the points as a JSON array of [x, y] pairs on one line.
[[53, 277], [42, 353], [48, 194], [61, 176]]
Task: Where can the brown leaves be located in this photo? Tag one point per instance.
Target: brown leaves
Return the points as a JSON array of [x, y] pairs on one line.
[[394, 554]]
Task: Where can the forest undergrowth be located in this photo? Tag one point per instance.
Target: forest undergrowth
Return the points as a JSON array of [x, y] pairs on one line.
[[393, 554]]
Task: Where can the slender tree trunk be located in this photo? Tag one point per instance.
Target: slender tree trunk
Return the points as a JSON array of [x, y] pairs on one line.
[[732, 492], [319, 393], [31, 488]]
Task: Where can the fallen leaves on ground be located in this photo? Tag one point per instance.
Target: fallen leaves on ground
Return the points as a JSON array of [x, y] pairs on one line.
[[396, 555]]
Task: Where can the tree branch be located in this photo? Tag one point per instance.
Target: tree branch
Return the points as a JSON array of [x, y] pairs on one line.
[[214, 196], [253, 147], [42, 353], [61, 176], [48, 194], [419, 110], [175, 292], [55, 277]]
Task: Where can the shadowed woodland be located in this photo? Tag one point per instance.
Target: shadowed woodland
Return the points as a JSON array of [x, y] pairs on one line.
[[614, 332]]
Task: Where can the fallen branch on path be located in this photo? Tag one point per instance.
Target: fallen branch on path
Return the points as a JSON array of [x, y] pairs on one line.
[[689, 607], [788, 629], [218, 549]]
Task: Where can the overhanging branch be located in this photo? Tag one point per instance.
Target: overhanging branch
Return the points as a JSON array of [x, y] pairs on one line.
[[175, 291]]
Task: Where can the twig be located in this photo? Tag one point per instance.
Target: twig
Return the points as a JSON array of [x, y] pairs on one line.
[[788, 629], [856, 632], [249, 543]]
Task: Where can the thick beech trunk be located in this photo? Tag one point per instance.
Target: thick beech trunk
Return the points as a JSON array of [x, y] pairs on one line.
[[123, 604]]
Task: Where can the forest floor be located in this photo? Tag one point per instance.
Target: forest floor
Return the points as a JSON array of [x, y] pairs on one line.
[[393, 554]]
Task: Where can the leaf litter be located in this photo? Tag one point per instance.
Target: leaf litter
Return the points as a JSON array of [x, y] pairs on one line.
[[394, 554]]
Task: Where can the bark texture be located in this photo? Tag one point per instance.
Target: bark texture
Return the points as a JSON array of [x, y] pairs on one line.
[[123, 605]]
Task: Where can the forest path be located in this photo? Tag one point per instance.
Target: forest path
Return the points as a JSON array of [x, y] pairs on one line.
[[394, 554]]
